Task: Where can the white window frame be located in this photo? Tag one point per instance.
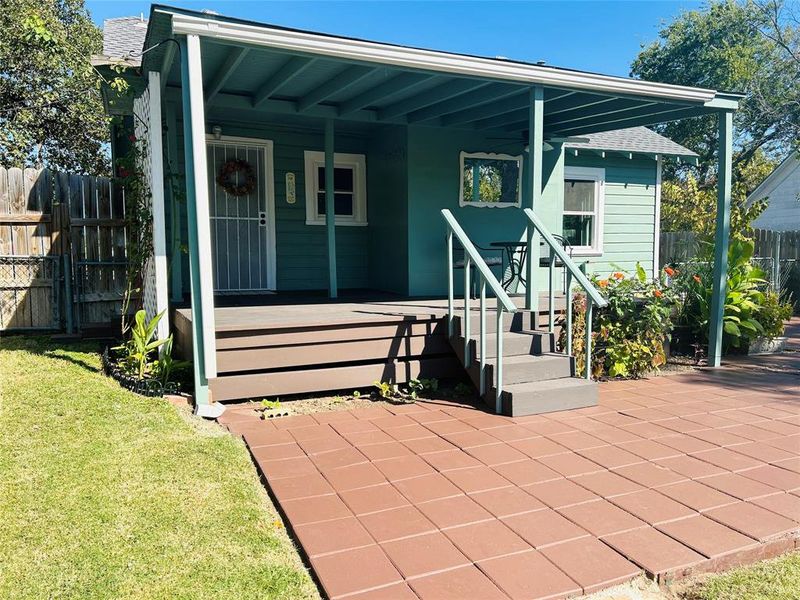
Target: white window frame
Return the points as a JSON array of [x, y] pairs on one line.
[[491, 156], [357, 162], [598, 176]]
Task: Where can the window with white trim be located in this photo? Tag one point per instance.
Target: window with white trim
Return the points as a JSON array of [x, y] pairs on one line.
[[583, 209], [349, 188]]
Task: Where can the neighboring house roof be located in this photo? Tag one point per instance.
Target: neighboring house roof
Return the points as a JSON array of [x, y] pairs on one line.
[[123, 39], [634, 140], [782, 188]]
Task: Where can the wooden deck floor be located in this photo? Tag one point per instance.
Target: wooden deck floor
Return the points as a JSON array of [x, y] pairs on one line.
[[309, 311]]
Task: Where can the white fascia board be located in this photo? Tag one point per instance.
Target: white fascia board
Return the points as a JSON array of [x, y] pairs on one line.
[[373, 52]]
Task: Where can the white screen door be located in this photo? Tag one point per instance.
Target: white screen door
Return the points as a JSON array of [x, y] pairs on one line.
[[242, 227]]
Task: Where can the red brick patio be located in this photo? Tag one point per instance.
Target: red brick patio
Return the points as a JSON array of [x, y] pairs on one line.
[[670, 476]]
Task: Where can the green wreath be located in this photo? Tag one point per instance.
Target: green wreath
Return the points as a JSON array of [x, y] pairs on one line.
[[225, 178]]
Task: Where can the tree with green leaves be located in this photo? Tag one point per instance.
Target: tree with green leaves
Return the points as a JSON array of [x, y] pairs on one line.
[[750, 47], [51, 112], [686, 205], [735, 46]]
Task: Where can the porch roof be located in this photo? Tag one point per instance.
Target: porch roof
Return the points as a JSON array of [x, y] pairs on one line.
[[251, 67]]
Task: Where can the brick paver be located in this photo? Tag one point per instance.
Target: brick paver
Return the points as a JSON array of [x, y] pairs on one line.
[[670, 475]]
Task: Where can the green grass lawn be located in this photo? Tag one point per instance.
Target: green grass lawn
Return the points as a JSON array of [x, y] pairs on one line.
[[104, 494], [777, 579]]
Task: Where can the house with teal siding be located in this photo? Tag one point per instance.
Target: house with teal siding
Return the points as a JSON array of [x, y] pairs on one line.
[[330, 211]]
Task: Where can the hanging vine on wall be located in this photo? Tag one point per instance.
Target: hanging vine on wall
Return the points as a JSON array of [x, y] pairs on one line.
[[139, 222], [236, 177]]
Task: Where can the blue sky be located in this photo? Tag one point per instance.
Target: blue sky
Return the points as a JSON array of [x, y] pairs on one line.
[[596, 36]]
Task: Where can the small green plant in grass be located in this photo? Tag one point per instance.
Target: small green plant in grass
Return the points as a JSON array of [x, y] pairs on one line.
[[271, 404], [166, 366], [418, 386], [386, 390]]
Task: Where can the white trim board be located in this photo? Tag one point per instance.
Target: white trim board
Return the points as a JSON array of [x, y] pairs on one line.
[[598, 175], [157, 197], [416, 58], [657, 223]]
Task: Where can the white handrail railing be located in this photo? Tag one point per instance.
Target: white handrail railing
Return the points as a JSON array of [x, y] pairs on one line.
[[573, 271], [504, 304]]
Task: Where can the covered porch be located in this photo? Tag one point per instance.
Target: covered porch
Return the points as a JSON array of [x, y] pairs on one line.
[[411, 113]]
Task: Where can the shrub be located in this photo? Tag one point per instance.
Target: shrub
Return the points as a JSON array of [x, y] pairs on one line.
[[743, 301], [628, 335], [774, 311]]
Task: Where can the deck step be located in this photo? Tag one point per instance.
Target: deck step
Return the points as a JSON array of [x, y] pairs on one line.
[[528, 368], [538, 397], [515, 322], [330, 378], [515, 343]]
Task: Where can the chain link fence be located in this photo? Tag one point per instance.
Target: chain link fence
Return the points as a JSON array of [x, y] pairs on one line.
[[30, 296]]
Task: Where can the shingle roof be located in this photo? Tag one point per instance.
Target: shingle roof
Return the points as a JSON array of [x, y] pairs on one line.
[[123, 36], [633, 139]]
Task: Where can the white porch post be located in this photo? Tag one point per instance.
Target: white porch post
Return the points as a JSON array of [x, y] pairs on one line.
[[157, 197], [202, 290], [534, 190], [330, 212], [725, 149]]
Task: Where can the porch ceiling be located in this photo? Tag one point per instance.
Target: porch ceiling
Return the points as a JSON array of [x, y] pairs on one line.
[[253, 74]]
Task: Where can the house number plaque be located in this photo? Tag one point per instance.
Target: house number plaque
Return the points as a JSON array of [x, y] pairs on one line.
[[291, 193]]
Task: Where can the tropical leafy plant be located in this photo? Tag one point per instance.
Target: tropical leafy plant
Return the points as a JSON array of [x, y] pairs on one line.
[[628, 334], [137, 352], [743, 300]]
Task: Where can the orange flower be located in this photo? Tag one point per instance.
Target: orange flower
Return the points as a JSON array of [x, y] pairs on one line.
[[669, 271], [603, 283], [696, 278], [657, 293], [618, 275]]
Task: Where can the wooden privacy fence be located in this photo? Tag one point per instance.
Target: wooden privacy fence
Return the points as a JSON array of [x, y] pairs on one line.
[[62, 250], [777, 252], [680, 246]]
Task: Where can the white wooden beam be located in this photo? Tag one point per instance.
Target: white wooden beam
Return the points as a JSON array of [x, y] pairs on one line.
[[157, 199]]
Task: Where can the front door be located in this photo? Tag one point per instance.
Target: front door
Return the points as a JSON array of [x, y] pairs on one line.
[[241, 206]]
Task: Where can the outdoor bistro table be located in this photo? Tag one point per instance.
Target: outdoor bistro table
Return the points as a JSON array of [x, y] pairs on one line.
[[516, 252]]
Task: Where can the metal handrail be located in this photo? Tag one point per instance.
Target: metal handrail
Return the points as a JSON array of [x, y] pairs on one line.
[[569, 264], [504, 304], [573, 272]]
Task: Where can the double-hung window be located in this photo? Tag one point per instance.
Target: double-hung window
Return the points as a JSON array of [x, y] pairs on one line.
[[349, 188], [583, 209]]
